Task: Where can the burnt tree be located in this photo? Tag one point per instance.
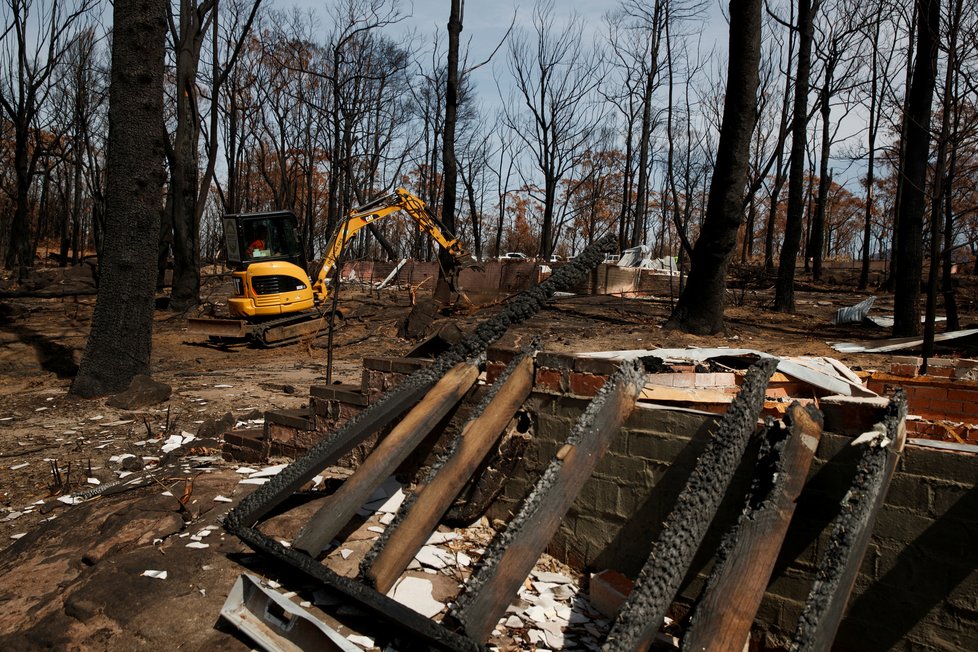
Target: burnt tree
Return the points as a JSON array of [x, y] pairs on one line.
[[120, 341], [913, 173], [784, 297], [700, 306]]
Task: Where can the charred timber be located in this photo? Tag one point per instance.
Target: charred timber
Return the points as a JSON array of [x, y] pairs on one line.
[[851, 530], [420, 512], [339, 508], [686, 525], [512, 554], [747, 555]]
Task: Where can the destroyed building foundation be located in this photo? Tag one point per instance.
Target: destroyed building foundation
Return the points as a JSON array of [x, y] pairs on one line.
[[917, 584]]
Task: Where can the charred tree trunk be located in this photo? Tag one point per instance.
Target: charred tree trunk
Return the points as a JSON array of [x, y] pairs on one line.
[[449, 162], [700, 307], [913, 177], [784, 298], [120, 341], [824, 182]]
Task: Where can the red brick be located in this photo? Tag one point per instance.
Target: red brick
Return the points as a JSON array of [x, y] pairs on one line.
[[903, 370], [921, 393], [586, 384], [550, 380], [943, 372], [965, 396]]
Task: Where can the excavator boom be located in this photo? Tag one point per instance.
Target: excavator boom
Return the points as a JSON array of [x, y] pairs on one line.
[[380, 208]]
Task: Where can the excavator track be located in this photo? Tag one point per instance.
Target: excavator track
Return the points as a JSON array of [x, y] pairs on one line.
[[270, 333]]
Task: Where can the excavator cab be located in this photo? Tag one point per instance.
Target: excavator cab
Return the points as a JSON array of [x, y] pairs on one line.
[[270, 276], [261, 237]]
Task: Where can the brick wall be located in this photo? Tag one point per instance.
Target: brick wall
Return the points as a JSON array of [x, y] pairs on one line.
[[918, 588], [946, 399]]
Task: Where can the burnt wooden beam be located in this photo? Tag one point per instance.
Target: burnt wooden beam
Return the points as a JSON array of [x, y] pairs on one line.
[[851, 530], [326, 451], [512, 554], [697, 504], [385, 458], [746, 558], [417, 630], [477, 438], [267, 497]]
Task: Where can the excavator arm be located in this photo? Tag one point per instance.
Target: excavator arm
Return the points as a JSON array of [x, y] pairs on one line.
[[378, 209]]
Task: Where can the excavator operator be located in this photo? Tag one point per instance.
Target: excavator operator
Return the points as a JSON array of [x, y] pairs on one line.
[[258, 241]]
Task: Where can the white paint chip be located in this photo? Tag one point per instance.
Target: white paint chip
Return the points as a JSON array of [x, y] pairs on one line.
[[415, 593], [155, 574], [198, 545]]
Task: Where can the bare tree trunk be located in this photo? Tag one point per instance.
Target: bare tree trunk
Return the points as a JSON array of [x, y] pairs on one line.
[[824, 181], [913, 177], [873, 128], [447, 267], [938, 190], [120, 341], [784, 298], [700, 307]]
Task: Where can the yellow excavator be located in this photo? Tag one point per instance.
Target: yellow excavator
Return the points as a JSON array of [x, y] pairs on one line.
[[274, 300]]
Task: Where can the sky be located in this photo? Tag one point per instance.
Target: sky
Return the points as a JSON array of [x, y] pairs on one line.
[[485, 23]]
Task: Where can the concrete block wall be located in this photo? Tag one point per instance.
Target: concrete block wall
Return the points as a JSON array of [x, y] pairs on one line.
[[918, 588]]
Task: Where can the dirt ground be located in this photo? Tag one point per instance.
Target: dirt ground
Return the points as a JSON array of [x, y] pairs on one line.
[[71, 575]]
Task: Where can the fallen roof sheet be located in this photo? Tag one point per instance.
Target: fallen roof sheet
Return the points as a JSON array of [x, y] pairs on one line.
[[854, 314], [898, 343]]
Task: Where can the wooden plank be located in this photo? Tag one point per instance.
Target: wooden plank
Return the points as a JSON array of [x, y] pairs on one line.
[[685, 394], [851, 531], [478, 437], [394, 449], [513, 553], [684, 529], [733, 593]]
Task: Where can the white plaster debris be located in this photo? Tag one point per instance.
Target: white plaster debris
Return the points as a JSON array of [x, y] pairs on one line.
[[554, 578], [20, 466], [12, 515], [198, 545], [375, 528], [69, 500], [94, 481], [387, 498], [415, 593], [434, 557], [223, 386], [441, 537], [222, 499], [245, 470], [17, 536], [155, 574], [513, 622], [363, 641], [253, 481], [268, 471], [345, 553]]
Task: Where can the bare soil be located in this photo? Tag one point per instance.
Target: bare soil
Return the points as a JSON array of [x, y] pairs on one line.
[[72, 576]]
